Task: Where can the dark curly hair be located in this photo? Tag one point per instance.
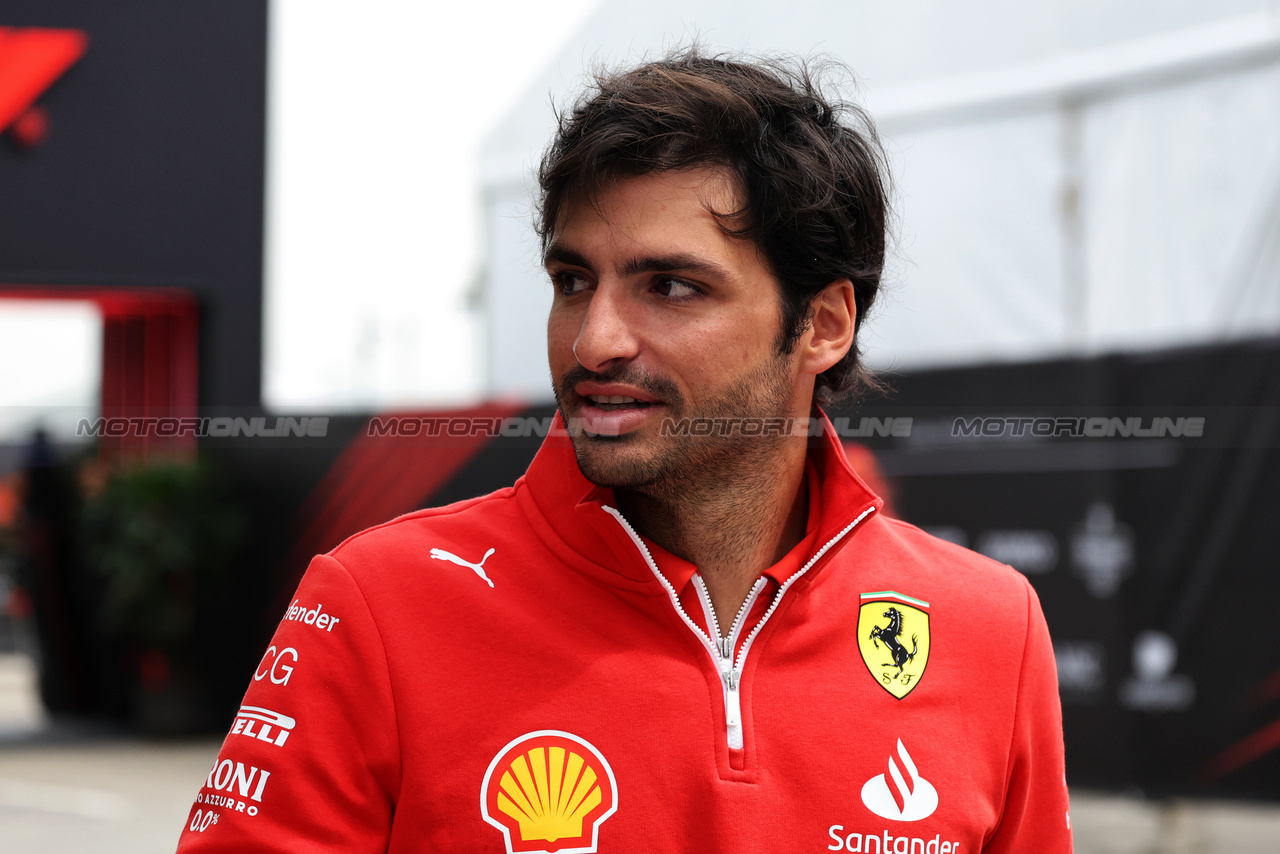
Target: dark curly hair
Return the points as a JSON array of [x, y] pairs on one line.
[[811, 171]]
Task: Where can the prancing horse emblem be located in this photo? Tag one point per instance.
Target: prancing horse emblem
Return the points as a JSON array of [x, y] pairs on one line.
[[889, 637], [877, 641], [477, 568]]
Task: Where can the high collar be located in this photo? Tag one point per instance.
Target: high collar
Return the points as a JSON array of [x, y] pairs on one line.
[[573, 507]]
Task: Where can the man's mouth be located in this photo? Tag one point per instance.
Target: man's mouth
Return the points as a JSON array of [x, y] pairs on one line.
[[609, 402]]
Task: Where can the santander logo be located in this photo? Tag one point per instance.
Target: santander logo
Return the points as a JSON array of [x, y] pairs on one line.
[[900, 797]]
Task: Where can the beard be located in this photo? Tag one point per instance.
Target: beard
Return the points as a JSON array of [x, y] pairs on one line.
[[667, 467]]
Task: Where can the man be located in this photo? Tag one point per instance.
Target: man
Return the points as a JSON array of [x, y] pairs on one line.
[[687, 627]]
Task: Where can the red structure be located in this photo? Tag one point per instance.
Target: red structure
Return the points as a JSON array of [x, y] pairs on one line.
[[150, 360]]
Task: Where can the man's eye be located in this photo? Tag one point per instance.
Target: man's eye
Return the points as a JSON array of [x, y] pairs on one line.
[[676, 289], [569, 283]]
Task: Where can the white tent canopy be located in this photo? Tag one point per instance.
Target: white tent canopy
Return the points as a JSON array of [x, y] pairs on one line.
[[1072, 176]]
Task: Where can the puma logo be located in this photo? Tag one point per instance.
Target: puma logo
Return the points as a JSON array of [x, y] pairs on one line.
[[477, 568]]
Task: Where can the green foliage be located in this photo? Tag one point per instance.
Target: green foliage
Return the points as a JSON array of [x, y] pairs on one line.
[[163, 538]]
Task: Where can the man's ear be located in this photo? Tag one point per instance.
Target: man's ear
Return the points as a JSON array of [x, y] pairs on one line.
[[832, 316]]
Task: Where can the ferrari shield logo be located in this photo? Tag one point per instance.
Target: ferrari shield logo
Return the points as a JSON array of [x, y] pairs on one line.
[[893, 636]]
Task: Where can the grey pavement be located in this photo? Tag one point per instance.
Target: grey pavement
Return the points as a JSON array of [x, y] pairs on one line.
[[64, 792], [100, 796], [1110, 824]]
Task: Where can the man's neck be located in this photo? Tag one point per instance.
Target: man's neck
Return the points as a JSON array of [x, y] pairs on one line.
[[732, 530]]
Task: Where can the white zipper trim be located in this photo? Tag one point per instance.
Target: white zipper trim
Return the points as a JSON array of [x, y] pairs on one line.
[[786, 585], [730, 679], [709, 611], [662, 579]]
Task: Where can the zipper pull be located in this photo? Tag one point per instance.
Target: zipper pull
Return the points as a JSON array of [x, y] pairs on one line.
[[733, 702], [726, 648]]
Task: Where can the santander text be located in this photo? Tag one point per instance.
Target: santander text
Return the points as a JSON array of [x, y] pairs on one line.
[[885, 843], [313, 617]]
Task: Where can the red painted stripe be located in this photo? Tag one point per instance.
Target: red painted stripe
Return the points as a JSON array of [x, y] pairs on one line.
[[378, 478], [1247, 750], [1265, 691]]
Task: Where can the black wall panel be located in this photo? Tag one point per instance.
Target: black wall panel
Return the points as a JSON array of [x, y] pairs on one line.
[[1156, 558], [152, 174]]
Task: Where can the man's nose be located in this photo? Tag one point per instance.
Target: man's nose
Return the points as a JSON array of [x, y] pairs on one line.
[[606, 335]]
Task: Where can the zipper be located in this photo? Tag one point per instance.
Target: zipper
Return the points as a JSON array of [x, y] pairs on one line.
[[730, 675], [721, 649]]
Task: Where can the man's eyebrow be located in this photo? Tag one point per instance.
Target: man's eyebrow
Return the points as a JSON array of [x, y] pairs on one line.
[[557, 254], [671, 263], [646, 264]]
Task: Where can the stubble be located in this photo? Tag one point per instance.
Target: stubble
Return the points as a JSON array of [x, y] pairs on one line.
[[679, 466]]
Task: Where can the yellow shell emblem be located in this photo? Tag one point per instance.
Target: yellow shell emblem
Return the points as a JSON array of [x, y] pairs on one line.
[[893, 637], [548, 791]]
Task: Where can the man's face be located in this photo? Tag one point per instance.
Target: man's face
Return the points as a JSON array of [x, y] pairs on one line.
[[658, 315]]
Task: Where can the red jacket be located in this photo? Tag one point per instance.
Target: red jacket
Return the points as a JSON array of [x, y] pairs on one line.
[[515, 673]]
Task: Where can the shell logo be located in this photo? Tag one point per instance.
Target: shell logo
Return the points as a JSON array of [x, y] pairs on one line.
[[549, 791]]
